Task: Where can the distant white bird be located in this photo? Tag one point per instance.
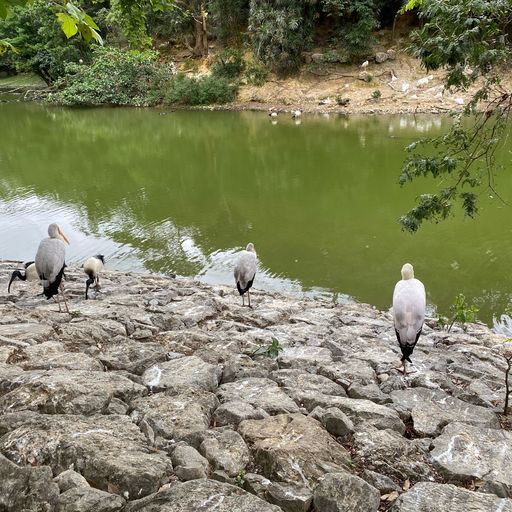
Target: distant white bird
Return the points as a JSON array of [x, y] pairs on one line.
[[409, 304], [459, 101], [296, 113], [413, 97], [93, 266], [393, 76], [365, 64], [405, 86], [29, 275], [273, 114], [422, 81], [50, 263], [245, 270]]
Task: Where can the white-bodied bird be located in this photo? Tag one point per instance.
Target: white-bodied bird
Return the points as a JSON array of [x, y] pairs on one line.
[[51, 262], [92, 267], [409, 304], [245, 270], [365, 64], [29, 275], [296, 113]]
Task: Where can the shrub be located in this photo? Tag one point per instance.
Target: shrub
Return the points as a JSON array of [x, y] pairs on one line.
[[115, 77], [203, 90], [280, 31], [41, 46], [376, 95], [229, 64], [256, 73]]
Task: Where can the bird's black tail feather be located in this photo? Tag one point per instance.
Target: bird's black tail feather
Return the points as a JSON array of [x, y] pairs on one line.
[[406, 352], [87, 284], [53, 288], [241, 290]]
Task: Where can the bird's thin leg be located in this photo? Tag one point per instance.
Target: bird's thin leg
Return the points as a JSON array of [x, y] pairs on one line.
[[64, 297], [243, 301], [97, 287], [58, 302], [249, 297], [404, 369]]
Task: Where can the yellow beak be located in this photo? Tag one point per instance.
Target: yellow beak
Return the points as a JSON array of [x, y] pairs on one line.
[[63, 236]]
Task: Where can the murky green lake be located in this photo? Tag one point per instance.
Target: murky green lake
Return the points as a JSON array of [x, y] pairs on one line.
[[183, 191]]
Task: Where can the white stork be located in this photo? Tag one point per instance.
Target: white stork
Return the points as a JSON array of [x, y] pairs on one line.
[[92, 267], [245, 270], [50, 263], [409, 303], [29, 275]]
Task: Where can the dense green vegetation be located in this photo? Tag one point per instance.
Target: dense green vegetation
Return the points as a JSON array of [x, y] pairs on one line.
[[57, 42]]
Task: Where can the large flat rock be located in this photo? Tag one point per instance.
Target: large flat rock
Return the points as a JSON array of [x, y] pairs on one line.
[[64, 391], [202, 496], [293, 447], [432, 409], [184, 372], [26, 488], [364, 413], [261, 393], [431, 497], [176, 415], [465, 452], [109, 451]]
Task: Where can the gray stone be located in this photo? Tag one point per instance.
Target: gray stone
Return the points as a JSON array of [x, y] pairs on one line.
[[304, 356], [369, 392], [260, 393], [52, 354], [364, 412], [224, 449], [306, 388], [293, 448], [343, 492], [86, 499], [349, 371], [256, 484], [432, 409], [337, 422], [203, 496], [431, 497], [232, 413], [188, 463], [62, 391], [69, 479], [185, 372], [381, 57], [26, 488], [176, 416], [464, 452], [109, 451], [241, 366], [289, 497], [132, 356], [381, 482], [391, 54]]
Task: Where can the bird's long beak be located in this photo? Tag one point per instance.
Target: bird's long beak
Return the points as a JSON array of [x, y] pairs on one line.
[[63, 236]]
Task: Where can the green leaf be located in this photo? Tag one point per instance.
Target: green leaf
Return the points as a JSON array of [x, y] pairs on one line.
[[68, 24], [89, 21]]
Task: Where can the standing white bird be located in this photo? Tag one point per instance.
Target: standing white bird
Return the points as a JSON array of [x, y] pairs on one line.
[[296, 113], [50, 263], [365, 64], [245, 270], [409, 304], [92, 267], [29, 275]]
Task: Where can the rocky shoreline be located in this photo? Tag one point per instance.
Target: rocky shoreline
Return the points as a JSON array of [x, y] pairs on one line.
[[152, 397]]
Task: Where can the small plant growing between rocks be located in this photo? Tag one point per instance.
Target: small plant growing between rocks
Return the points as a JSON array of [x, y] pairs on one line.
[[271, 349], [462, 312], [240, 478], [376, 95]]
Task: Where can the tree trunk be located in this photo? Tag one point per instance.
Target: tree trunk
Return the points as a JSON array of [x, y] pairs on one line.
[[201, 47]]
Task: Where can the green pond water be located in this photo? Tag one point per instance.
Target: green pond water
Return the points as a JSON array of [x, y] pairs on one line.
[[183, 191]]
